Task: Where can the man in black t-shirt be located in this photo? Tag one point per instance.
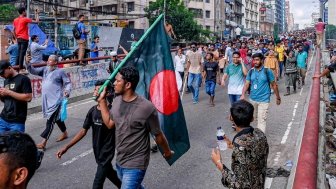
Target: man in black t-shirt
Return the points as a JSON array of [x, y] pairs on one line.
[[15, 94], [210, 74], [103, 142]]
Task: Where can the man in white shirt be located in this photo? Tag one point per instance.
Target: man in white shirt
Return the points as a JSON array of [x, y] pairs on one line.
[[238, 31], [179, 62]]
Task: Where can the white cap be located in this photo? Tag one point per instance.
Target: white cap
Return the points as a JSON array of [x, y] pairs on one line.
[[113, 53]]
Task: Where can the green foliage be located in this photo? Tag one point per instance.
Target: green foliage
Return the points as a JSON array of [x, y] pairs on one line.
[[182, 19], [8, 13]]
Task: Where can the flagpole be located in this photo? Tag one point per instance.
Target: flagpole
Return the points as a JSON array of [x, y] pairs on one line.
[[116, 70]]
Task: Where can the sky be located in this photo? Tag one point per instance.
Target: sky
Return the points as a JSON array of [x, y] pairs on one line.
[[302, 10]]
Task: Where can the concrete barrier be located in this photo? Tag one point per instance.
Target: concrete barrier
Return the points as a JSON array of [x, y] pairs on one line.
[[82, 79]]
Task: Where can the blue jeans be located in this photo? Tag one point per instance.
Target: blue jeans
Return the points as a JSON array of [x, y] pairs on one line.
[[281, 67], [194, 89], [11, 126], [130, 178], [234, 98], [210, 87]]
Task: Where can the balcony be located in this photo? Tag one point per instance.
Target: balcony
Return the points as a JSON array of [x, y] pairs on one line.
[[239, 2], [239, 14]]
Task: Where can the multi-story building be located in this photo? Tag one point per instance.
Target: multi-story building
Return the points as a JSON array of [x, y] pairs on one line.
[[233, 15], [278, 7], [287, 13], [251, 16], [266, 19], [219, 17], [116, 12], [296, 27], [314, 16], [203, 11], [332, 12], [291, 22]]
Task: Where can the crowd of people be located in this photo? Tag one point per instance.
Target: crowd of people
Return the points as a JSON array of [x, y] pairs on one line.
[[123, 121]]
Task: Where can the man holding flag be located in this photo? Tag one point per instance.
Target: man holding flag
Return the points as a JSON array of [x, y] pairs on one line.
[[150, 78], [134, 119]]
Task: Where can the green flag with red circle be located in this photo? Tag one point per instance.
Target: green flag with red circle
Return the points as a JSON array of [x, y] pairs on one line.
[[152, 57]]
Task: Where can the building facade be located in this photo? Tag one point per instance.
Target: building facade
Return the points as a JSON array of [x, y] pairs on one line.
[[266, 19], [204, 12], [332, 12], [314, 16], [251, 16], [233, 16], [287, 14], [278, 7], [291, 22]]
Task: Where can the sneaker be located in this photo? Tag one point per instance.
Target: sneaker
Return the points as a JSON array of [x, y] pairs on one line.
[[154, 148], [195, 102]]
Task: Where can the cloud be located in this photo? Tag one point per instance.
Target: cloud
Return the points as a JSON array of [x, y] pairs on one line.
[[302, 10]]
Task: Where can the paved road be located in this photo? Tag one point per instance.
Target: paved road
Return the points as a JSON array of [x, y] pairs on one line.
[[194, 170]]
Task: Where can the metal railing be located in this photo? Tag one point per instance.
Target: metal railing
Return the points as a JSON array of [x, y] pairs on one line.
[[306, 170]]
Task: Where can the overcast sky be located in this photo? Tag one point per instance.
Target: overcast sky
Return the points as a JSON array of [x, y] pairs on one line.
[[302, 10]]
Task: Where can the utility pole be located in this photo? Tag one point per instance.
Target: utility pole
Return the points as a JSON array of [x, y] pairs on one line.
[[55, 23], [28, 8]]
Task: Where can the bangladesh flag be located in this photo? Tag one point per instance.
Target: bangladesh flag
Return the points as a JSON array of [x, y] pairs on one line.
[[152, 57]]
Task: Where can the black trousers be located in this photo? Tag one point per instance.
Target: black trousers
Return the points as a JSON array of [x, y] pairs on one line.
[[22, 47], [103, 172], [50, 125]]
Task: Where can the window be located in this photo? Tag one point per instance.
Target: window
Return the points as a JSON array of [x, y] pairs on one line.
[[207, 28], [131, 24], [96, 10], [198, 13], [207, 1], [207, 14], [130, 6], [110, 9]]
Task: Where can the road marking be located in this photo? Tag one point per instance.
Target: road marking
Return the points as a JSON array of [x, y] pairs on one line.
[[75, 105], [289, 126], [277, 157], [38, 116], [268, 183], [77, 157]]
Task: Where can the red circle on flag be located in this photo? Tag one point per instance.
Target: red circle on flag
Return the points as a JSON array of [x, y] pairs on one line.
[[163, 92]]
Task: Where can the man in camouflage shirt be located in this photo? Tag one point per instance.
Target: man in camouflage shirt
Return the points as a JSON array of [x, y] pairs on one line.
[[250, 151]]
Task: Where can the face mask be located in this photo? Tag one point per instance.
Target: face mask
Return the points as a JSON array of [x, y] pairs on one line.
[[249, 54]]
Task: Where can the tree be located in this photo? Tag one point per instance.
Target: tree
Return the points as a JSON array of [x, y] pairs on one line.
[[8, 13], [182, 19]]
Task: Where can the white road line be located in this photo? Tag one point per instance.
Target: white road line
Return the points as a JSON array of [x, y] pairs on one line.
[[37, 116], [80, 104], [277, 157], [268, 183], [77, 157], [289, 126]]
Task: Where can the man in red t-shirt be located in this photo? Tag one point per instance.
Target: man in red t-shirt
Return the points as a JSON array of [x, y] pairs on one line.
[[21, 34], [319, 27]]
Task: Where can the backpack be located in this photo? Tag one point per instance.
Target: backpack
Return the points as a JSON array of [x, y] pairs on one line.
[[76, 32]]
